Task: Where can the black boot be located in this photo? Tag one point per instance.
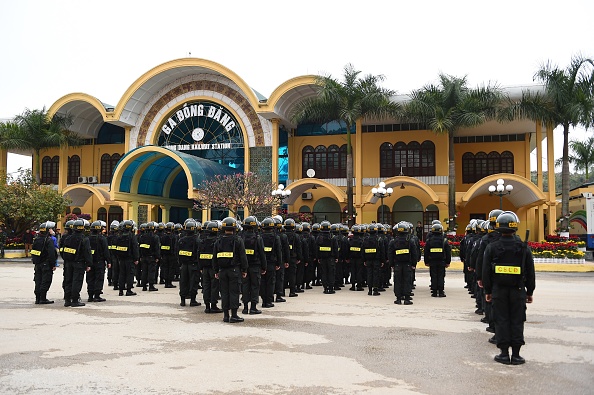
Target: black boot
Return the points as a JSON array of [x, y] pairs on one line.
[[207, 308], [226, 316], [516, 359], [234, 317], [215, 309], [144, 288], [98, 298], [245, 309], [76, 303], [130, 293], [441, 294], [194, 302], [279, 299], [434, 294], [503, 357], [254, 309], [183, 301], [398, 301], [43, 299], [37, 297], [152, 288], [121, 293], [376, 292]]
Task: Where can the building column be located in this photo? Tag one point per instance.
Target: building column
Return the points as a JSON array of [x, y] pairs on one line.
[[133, 211], [3, 161], [552, 218], [358, 159], [205, 215], [165, 209], [127, 139], [63, 169], [275, 138]]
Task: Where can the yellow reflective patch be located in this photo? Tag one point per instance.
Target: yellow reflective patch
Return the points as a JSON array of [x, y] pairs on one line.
[[61, 249], [92, 252], [166, 248], [249, 252], [508, 269], [267, 249], [70, 250], [205, 256], [185, 253], [370, 250], [325, 249], [145, 246], [290, 247], [109, 247], [436, 250], [35, 252], [121, 248], [355, 248], [225, 255], [403, 251]]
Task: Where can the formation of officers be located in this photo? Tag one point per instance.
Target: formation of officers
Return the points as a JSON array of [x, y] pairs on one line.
[[254, 261], [499, 274]]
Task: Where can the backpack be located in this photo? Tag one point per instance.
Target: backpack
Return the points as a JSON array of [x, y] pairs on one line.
[[167, 244], [507, 263], [434, 248], [185, 249], [402, 249], [124, 245], [145, 244], [371, 247], [355, 247], [269, 239], [250, 239], [38, 250], [324, 245], [71, 246]]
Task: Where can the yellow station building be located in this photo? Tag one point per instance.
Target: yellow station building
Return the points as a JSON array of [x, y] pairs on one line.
[[189, 119]]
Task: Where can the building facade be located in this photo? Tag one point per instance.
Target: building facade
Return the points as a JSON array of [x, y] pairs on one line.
[[189, 119]]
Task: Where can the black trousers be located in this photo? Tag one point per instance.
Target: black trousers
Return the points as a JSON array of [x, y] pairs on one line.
[[148, 270], [267, 284], [168, 263], [188, 280], [74, 273], [96, 278], [291, 274], [509, 306], [43, 276], [250, 285], [127, 271], [113, 273], [374, 267], [357, 272], [280, 280], [402, 282], [210, 285], [437, 272], [310, 271], [300, 274], [328, 272], [229, 280]]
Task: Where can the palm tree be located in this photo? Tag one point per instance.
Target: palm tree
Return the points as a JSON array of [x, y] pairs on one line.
[[567, 101], [34, 130], [347, 101], [447, 107], [582, 156]]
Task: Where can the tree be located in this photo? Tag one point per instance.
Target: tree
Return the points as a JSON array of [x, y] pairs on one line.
[[567, 101], [446, 108], [232, 192], [35, 131], [24, 203], [347, 102], [582, 156]]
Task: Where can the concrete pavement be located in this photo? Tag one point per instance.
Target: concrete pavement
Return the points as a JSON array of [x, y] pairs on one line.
[[313, 344]]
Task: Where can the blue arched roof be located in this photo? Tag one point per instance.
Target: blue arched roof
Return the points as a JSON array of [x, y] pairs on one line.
[[152, 180]]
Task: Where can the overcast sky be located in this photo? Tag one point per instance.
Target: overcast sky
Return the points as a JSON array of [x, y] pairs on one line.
[[52, 48]]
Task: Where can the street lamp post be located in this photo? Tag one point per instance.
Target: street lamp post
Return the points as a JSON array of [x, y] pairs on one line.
[[382, 192], [281, 193], [501, 190]]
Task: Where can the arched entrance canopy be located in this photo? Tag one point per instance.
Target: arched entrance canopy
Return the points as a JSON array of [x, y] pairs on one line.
[[298, 187], [155, 171], [80, 193], [397, 182], [524, 194]]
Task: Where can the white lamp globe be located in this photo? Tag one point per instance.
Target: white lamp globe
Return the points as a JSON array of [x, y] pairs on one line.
[[500, 188], [382, 184], [374, 190], [492, 188], [390, 190], [509, 187]]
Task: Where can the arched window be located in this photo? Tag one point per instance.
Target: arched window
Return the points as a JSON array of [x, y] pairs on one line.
[[468, 168], [400, 158], [427, 167], [413, 158], [76, 211], [386, 160], [321, 162], [309, 160], [73, 169], [102, 214], [334, 162], [507, 162], [108, 164], [480, 165], [50, 170], [493, 162], [343, 159]]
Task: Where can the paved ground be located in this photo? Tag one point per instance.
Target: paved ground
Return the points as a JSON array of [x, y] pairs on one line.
[[314, 344]]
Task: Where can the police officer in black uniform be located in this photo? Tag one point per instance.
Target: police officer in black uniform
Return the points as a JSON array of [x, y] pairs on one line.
[[438, 256], [128, 255], [77, 259], [402, 254], [168, 258], [294, 257], [150, 254], [187, 254], [509, 282], [229, 262], [43, 255], [355, 258], [327, 256], [373, 256], [100, 252], [254, 250], [113, 272], [210, 284], [274, 258]]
